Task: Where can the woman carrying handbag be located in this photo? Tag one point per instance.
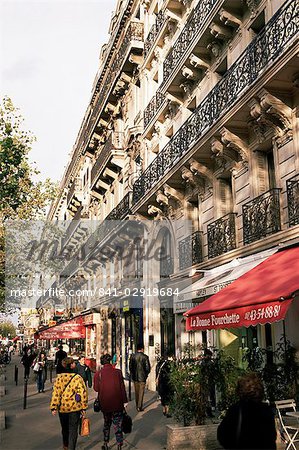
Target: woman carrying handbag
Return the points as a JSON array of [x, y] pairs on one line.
[[109, 384], [70, 400]]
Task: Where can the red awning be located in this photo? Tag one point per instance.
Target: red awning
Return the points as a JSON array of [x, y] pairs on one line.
[[72, 329], [261, 295]]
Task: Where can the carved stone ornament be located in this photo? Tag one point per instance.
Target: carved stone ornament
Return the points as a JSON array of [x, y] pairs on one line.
[[187, 87], [156, 212], [215, 48], [188, 73], [175, 201], [172, 110], [220, 32], [161, 198], [229, 19], [270, 112], [195, 185], [134, 148], [202, 170], [233, 141]]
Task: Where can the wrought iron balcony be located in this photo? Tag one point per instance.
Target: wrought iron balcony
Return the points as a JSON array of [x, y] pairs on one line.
[[71, 192], [261, 216], [153, 107], [154, 32], [196, 23], [293, 200], [221, 235], [114, 142], [75, 229], [263, 51], [166, 266], [190, 250], [133, 34], [122, 210]]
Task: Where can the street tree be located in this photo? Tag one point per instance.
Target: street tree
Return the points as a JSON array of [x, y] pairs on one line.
[[21, 196], [7, 329]]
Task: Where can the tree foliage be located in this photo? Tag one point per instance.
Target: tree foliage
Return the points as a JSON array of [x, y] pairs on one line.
[[21, 197], [7, 329]]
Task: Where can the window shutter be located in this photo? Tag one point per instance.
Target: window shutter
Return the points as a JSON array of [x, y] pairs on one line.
[[262, 172]]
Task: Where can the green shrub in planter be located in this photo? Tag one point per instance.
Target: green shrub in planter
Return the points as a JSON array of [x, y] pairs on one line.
[[194, 378]]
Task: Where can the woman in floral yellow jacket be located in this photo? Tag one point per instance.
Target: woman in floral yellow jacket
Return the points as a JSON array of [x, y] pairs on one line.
[[69, 399]]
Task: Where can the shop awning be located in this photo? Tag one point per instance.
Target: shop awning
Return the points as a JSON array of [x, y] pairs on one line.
[[71, 329], [262, 295], [218, 278]]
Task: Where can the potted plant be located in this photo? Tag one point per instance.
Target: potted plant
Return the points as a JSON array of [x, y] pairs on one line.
[[192, 379]]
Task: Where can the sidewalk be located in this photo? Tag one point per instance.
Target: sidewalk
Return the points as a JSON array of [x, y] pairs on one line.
[[35, 428]]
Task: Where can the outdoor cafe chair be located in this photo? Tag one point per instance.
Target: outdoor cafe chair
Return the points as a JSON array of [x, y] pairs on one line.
[[289, 422]]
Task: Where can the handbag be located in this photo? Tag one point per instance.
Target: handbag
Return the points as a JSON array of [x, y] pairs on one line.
[[97, 405], [126, 423], [36, 367], [85, 427]]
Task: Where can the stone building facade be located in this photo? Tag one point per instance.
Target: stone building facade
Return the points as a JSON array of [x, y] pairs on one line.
[[194, 118]]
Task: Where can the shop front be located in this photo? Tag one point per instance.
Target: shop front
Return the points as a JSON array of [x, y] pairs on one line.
[[71, 332], [253, 310], [197, 293], [91, 323]]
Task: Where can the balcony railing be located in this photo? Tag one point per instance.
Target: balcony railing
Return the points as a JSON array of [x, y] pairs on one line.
[[71, 192], [154, 32], [293, 200], [190, 250], [134, 33], [114, 141], [122, 210], [222, 235], [195, 24], [166, 266], [153, 107], [261, 216], [74, 224], [264, 50]]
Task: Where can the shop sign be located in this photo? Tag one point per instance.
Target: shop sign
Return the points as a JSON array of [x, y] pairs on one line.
[[180, 307]]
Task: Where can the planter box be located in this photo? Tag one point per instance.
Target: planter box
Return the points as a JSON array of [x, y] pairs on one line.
[[203, 437]]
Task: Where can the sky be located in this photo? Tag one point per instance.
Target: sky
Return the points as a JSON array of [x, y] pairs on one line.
[[49, 56]]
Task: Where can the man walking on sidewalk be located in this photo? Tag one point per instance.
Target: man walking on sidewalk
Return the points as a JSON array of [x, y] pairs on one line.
[[139, 369]]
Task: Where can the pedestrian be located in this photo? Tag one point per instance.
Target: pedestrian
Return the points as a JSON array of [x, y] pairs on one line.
[[109, 384], [41, 373], [70, 400], [249, 423], [139, 370], [83, 370], [59, 356], [27, 360], [163, 382]]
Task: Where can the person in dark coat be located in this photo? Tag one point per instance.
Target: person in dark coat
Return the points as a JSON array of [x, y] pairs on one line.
[[139, 370], [109, 384], [59, 356], [27, 360], [83, 370], [163, 382], [249, 423]]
